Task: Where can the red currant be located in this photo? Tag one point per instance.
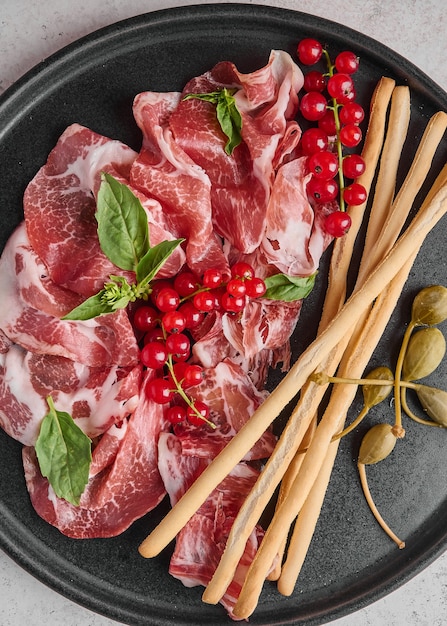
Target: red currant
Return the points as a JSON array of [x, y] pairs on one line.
[[236, 287], [204, 301], [176, 414], [233, 304], [145, 318], [212, 278], [327, 123], [198, 416], [347, 62], [313, 106], [167, 299], [351, 113], [340, 86], [185, 284], [353, 165], [157, 286], [242, 270], [159, 390], [355, 194], [155, 334], [174, 321], [337, 223], [154, 354], [193, 376], [179, 373], [313, 140], [350, 135], [309, 51], [255, 288], [322, 191], [323, 164], [178, 344], [314, 81], [193, 317]]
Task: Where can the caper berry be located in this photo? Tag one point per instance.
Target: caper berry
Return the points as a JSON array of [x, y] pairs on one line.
[[430, 306], [377, 444], [434, 402], [375, 394], [424, 353]]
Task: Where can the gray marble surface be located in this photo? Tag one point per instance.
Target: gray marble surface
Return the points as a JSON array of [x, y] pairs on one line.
[[31, 30]]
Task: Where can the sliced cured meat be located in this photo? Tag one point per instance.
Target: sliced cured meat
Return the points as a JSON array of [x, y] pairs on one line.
[[295, 237], [95, 398], [165, 172], [232, 399], [241, 183], [125, 482], [24, 283], [59, 206], [264, 324], [200, 544]]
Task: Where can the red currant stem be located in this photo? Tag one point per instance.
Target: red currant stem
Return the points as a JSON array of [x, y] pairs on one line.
[[335, 107], [179, 389]]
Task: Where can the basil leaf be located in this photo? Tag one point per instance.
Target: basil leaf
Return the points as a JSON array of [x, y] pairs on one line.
[[123, 229], [90, 308], [64, 454], [154, 260], [227, 113], [230, 120], [288, 288]]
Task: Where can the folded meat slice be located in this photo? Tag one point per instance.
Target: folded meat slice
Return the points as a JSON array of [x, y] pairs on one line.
[[95, 397], [59, 207], [124, 483], [232, 398], [295, 237], [33, 304], [241, 183], [165, 172], [200, 544]]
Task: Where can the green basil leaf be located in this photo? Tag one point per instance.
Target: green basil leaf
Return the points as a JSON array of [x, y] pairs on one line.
[[230, 120], [123, 229], [288, 288], [154, 260], [227, 113], [90, 308], [64, 454]]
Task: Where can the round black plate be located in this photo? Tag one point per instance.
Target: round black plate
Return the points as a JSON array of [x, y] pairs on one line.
[[351, 562]]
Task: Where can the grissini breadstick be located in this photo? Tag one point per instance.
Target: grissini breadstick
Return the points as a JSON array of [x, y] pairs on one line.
[[309, 514], [179, 515], [407, 245], [338, 406], [343, 248], [399, 118], [419, 169]]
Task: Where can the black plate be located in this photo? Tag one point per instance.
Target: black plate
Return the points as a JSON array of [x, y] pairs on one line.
[[351, 562]]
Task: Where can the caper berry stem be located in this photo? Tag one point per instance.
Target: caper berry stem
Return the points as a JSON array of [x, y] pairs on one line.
[[398, 374], [374, 509], [353, 424]]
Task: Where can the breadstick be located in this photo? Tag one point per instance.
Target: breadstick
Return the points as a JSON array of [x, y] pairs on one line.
[[343, 248], [336, 411], [408, 244], [236, 449], [309, 514], [399, 119], [419, 169]]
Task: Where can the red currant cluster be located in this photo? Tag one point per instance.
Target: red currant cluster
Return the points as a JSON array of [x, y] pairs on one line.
[[177, 307], [330, 102]]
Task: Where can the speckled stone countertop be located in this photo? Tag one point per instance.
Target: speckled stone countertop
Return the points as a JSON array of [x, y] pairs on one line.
[[31, 30]]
